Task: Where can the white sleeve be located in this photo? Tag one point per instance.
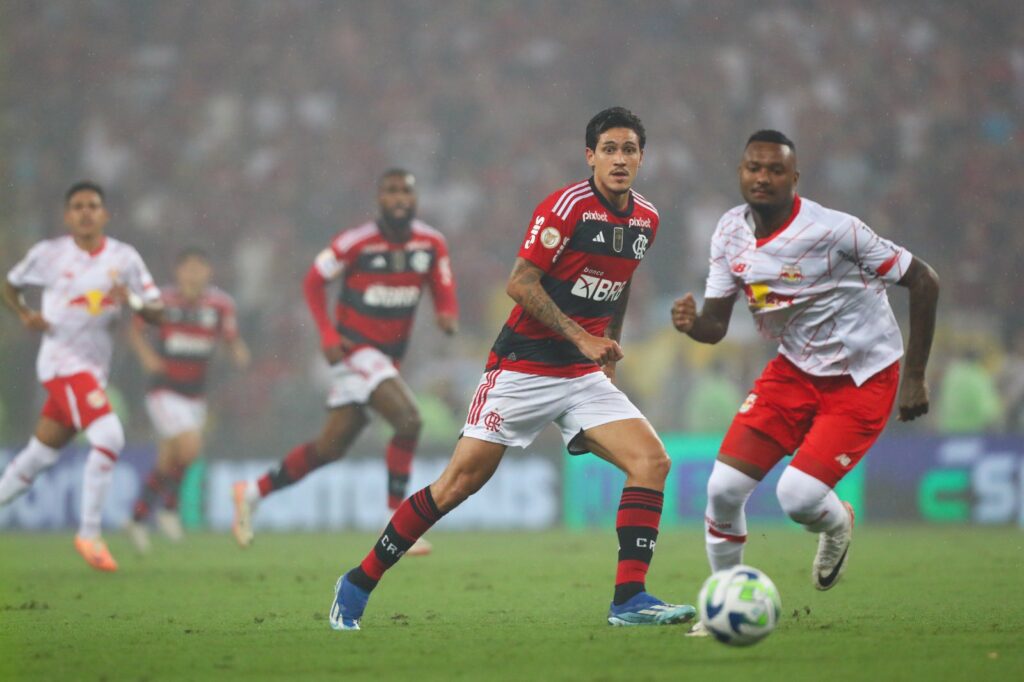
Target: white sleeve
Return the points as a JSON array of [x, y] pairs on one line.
[[876, 256], [140, 282], [720, 282], [33, 269]]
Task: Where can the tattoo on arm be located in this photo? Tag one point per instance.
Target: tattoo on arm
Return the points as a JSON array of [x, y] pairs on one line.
[[525, 289]]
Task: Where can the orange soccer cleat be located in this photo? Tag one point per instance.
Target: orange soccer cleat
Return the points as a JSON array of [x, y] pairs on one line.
[[95, 553]]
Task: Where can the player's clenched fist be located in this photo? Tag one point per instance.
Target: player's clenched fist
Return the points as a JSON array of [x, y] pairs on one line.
[[684, 312], [35, 321], [600, 349]]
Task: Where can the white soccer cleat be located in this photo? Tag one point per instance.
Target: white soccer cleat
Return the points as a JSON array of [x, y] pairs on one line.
[[833, 554], [421, 547], [242, 526], [138, 535], [169, 524]]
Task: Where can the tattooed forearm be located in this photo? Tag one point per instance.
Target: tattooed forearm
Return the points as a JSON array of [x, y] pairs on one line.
[[525, 289]]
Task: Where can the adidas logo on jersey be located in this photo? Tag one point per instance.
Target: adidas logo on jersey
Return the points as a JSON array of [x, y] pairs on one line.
[[379, 262], [599, 238]]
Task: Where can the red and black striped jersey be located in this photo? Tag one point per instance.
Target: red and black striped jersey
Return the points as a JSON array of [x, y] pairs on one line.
[[189, 335], [588, 252], [382, 282]]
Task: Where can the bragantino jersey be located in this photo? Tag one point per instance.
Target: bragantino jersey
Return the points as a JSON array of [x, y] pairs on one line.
[[77, 303], [817, 286], [588, 252]]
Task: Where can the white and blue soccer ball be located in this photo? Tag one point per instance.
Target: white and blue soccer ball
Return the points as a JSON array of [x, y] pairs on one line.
[[739, 606]]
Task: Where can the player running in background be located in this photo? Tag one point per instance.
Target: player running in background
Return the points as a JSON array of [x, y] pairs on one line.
[[570, 284], [383, 266], [196, 316], [85, 277], [814, 280]]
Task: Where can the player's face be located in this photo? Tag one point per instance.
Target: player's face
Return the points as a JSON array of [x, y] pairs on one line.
[[397, 198], [193, 275], [85, 215], [768, 175], [616, 159]]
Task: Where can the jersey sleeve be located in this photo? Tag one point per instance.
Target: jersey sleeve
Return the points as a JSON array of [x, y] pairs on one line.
[[875, 256], [331, 262], [139, 280], [720, 283], [442, 281], [547, 233], [33, 270]]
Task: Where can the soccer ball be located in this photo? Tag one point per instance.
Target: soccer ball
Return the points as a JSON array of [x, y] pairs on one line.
[[739, 606]]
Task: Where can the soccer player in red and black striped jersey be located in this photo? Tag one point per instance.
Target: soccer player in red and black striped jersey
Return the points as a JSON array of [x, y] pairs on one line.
[[554, 361], [196, 316], [384, 265]]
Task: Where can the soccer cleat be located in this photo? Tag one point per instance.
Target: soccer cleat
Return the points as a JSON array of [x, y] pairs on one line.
[[95, 553], [833, 553], [139, 536], [349, 604], [698, 630], [421, 547], [169, 524], [242, 525], [646, 609]]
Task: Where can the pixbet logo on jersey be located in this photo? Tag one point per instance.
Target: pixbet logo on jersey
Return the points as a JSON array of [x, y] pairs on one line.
[[597, 288]]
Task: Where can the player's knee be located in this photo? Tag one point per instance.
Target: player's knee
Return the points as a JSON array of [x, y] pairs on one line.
[[409, 426], [799, 500], [721, 493], [106, 433], [651, 466]]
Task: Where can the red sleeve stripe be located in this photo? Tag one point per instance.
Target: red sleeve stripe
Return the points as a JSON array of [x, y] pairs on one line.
[[887, 265]]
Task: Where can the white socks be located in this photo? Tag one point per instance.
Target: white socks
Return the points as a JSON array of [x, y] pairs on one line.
[[810, 502], [725, 523], [107, 439], [23, 469]]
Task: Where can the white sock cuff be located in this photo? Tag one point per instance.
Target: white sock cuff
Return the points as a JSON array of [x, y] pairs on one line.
[[725, 478]]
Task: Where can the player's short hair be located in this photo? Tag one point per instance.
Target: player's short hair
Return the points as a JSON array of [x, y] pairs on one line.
[[191, 252], [84, 186], [395, 172], [772, 136], [614, 117]]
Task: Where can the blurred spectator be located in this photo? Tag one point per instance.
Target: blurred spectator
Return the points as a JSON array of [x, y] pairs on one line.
[[968, 401]]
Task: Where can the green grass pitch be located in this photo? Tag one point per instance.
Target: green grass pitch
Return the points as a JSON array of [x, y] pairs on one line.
[[916, 604]]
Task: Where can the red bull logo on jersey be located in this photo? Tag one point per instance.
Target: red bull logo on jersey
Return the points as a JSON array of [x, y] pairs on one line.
[[791, 274], [93, 301], [761, 297]]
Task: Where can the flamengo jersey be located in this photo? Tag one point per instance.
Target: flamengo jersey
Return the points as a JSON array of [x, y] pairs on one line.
[[382, 282], [189, 336], [588, 252], [76, 301], [817, 285]]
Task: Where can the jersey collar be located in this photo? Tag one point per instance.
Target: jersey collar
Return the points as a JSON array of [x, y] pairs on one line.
[[789, 221], [604, 202]]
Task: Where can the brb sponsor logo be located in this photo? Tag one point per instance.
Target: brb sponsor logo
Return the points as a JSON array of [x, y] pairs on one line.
[[382, 296], [597, 288]]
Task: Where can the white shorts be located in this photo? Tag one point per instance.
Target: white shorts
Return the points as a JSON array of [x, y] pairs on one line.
[[173, 413], [512, 408], [356, 377]]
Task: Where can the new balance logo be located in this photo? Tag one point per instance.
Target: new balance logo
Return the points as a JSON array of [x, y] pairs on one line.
[[599, 238], [597, 288]]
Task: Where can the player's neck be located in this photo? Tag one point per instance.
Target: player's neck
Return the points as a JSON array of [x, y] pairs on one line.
[[395, 232], [617, 200], [767, 221], [90, 243]]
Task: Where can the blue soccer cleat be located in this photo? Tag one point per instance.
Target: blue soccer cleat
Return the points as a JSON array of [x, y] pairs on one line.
[[348, 606], [646, 609]]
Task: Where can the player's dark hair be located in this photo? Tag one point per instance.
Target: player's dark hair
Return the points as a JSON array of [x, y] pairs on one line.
[[614, 117], [191, 252], [772, 136], [394, 173], [84, 186]]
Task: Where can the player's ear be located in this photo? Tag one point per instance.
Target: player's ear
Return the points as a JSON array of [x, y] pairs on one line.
[[796, 178], [589, 153]]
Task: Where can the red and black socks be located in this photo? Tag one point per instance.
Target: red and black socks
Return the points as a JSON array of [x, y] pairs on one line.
[[637, 528]]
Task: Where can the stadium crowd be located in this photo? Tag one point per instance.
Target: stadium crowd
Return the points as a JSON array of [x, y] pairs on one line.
[[256, 130]]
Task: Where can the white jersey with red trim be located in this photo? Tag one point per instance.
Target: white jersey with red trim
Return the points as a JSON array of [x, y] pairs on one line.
[[77, 303], [817, 286]]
